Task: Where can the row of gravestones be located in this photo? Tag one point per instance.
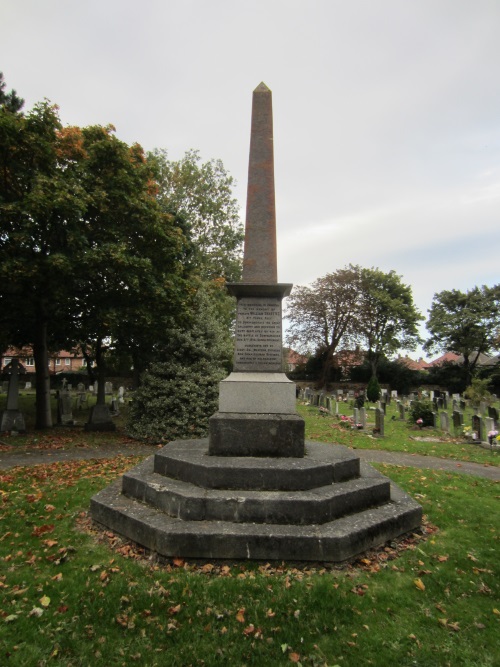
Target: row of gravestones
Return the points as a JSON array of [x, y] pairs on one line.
[[481, 425], [12, 419], [330, 404]]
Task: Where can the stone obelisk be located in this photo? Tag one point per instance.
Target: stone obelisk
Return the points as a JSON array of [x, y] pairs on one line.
[[250, 490], [257, 415]]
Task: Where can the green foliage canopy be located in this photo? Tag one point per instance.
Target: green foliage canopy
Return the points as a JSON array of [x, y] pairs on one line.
[[466, 323]]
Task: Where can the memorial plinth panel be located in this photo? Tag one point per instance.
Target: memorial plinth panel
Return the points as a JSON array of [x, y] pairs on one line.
[[258, 335]]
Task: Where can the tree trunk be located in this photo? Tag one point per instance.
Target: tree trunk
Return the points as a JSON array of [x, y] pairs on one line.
[[101, 373], [88, 364], [43, 412], [137, 369]]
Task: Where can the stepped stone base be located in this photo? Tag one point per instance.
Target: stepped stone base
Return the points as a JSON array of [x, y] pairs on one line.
[[325, 506]]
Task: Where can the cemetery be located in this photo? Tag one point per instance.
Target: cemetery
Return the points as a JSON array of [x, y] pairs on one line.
[[268, 542]]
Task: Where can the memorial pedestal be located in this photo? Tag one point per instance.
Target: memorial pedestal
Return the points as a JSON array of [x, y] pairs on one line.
[[255, 488]]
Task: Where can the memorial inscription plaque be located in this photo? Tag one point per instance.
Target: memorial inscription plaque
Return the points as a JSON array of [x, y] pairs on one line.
[[258, 335]]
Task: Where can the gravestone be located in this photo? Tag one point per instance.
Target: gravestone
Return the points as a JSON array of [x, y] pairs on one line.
[[27, 385], [100, 419], [65, 408], [402, 411], [114, 409], [394, 393], [489, 425], [482, 408], [444, 421], [362, 417], [251, 489], [435, 419], [478, 427], [80, 387], [493, 412], [458, 420], [108, 388], [81, 400], [379, 422], [121, 394], [12, 419], [355, 416]]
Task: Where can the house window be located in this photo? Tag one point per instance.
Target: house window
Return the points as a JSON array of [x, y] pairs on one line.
[[6, 361], [58, 362], [29, 361], [67, 362]]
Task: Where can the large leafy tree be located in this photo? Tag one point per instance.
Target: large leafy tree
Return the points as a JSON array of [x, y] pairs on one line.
[[87, 254], [133, 272], [354, 306], [202, 194], [387, 317], [466, 323], [323, 316], [42, 230]]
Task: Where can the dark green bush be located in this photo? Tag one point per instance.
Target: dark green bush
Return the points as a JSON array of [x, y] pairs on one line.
[[373, 390], [180, 391], [421, 410]]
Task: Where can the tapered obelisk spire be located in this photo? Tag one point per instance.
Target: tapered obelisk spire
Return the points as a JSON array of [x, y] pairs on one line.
[[259, 260]]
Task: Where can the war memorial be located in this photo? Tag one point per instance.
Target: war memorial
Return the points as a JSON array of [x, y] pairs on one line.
[[255, 488]]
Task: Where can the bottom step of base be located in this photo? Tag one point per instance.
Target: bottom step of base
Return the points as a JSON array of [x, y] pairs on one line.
[[335, 541]]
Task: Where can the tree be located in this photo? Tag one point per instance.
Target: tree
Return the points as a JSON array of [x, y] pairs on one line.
[[87, 254], [133, 272], [373, 389], [323, 316], [201, 194], [478, 391], [387, 317], [466, 323], [41, 229], [9, 101], [179, 392], [353, 306]]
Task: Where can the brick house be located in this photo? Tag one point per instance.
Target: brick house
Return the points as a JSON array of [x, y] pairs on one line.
[[59, 362]]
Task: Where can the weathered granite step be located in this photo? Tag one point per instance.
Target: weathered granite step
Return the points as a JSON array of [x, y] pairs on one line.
[[188, 460], [334, 541], [191, 503]]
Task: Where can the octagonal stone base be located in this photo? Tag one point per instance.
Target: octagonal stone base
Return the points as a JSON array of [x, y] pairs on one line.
[[325, 506]]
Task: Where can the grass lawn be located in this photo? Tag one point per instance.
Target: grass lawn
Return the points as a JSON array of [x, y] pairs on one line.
[[400, 436], [70, 597]]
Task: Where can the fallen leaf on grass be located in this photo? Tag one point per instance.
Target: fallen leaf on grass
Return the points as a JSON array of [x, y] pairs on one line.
[[419, 584], [36, 611], [240, 615], [45, 601], [42, 530], [294, 657]]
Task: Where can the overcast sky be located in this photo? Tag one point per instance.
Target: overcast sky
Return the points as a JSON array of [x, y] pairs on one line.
[[386, 114]]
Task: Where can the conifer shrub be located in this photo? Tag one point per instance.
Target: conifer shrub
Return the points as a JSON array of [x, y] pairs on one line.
[[179, 392], [373, 390]]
